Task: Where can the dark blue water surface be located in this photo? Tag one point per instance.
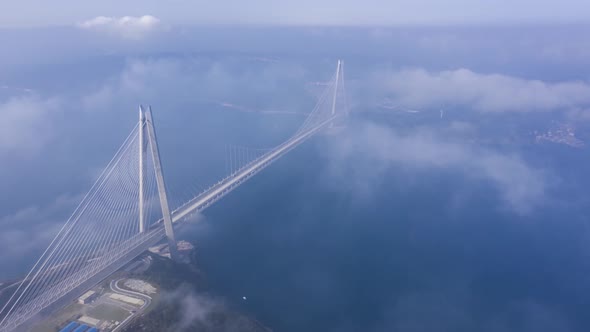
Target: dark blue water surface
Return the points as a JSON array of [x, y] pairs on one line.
[[311, 254]]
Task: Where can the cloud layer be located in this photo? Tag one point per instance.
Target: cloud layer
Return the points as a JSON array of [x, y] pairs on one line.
[[26, 123], [26, 232], [481, 92], [371, 149], [201, 312]]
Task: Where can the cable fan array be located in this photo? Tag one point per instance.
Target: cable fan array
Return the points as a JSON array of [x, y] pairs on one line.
[[104, 226], [332, 103]]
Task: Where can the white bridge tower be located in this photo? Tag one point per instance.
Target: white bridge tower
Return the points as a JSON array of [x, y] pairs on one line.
[[146, 128]]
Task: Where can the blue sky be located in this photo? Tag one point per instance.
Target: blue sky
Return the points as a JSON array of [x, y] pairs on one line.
[[28, 13]]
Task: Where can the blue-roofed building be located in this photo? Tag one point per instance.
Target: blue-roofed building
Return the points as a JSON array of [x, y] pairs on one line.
[[69, 328], [94, 329], [82, 328]]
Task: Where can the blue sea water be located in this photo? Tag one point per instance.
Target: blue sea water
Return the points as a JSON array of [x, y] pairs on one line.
[[436, 253]]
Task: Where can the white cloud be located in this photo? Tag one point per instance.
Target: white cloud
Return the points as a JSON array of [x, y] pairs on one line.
[[372, 149], [204, 313], [26, 123], [130, 27], [482, 92], [30, 230]]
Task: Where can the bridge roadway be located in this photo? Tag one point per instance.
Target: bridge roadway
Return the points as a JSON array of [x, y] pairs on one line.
[[225, 186], [70, 289]]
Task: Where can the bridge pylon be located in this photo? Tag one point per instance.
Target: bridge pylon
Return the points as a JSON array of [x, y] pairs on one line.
[[147, 128], [339, 105], [335, 93], [142, 170]]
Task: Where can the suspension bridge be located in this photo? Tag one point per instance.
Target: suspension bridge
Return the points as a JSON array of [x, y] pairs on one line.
[[127, 211]]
